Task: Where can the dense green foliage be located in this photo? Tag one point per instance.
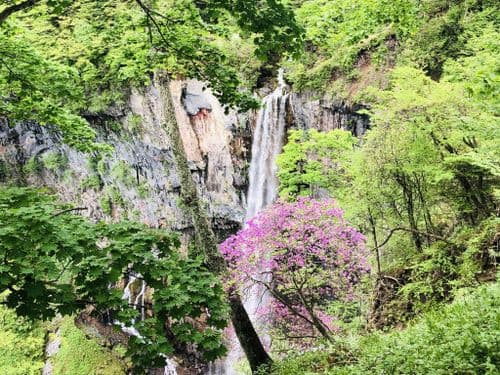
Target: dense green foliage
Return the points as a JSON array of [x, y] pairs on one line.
[[62, 61], [339, 32], [57, 262], [430, 166], [356, 42], [461, 338], [422, 184], [312, 161], [423, 181], [33, 87]]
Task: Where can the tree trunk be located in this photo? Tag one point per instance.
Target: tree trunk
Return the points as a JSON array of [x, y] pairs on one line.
[[247, 336], [371, 220], [204, 235], [405, 183]]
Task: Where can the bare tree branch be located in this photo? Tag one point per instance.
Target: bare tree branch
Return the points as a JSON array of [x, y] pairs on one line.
[[69, 210], [394, 230], [284, 301], [150, 15], [4, 14]]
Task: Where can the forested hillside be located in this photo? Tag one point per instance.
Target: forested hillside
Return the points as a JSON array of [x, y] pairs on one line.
[[234, 186]]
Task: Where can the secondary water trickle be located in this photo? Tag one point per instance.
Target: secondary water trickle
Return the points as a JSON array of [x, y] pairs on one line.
[[138, 302]]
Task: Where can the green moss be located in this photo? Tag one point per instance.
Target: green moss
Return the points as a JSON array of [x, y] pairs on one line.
[[33, 165], [91, 182], [54, 161], [79, 355], [21, 345], [134, 123], [106, 205], [68, 176], [116, 196], [92, 163], [101, 166], [111, 197], [4, 170], [114, 126], [122, 172], [135, 215], [143, 190]]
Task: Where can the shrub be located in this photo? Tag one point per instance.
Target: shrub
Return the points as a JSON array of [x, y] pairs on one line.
[[460, 338]]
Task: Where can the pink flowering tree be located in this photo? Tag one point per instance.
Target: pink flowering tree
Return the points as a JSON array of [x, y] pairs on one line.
[[306, 256]]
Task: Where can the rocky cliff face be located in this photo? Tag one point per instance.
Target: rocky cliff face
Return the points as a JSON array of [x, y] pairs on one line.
[[308, 110], [138, 180]]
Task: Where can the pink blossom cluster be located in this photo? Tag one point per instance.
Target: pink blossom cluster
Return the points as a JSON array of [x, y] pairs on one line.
[[305, 254]]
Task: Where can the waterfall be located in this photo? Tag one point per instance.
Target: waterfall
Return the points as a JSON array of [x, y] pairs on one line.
[[266, 145], [263, 189], [128, 294]]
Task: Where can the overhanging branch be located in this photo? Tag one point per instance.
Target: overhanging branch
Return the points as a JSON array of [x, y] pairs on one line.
[[4, 14], [394, 230]]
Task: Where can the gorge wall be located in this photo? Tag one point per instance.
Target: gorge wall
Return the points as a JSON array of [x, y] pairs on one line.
[[138, 180]]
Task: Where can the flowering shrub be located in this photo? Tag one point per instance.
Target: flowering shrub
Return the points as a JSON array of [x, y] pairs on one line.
[[306, 256]]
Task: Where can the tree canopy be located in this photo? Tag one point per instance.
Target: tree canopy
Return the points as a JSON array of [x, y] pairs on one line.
[[55, 262], [62, 60]]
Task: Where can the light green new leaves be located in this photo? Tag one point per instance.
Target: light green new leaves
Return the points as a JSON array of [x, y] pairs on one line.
[[312, 161], [35, 88]]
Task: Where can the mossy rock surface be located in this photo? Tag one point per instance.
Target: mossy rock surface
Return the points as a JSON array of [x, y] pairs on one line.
[[21, 344], [80, 355]]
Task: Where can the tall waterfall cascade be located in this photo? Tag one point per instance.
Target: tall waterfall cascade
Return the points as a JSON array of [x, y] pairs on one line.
[[266, 145], [263, 190]]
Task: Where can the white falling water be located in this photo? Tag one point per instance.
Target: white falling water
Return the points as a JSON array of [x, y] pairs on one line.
[[138, 302], [262, 191], [128, 295], [266, 145], [263, 187]]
